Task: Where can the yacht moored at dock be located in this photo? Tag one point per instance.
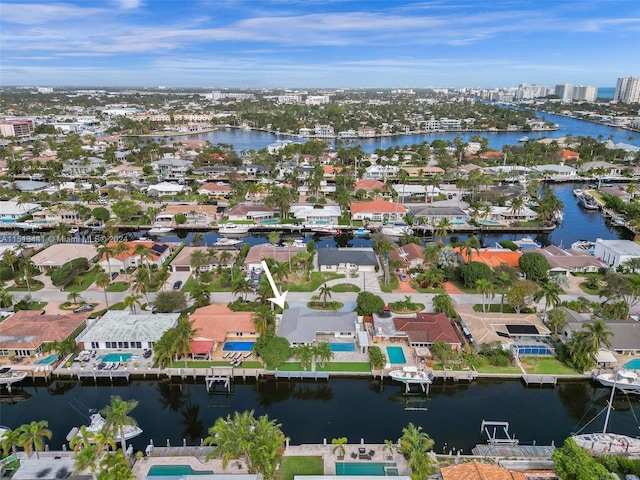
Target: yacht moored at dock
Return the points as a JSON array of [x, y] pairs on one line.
[[8, 376], [624, 380], [233, 229]]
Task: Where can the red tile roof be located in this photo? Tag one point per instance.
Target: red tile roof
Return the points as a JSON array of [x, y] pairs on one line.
[[132, 249], [369, 185], [214, 322], [378, 206], [493, 258], [427, 327], [28, 329]]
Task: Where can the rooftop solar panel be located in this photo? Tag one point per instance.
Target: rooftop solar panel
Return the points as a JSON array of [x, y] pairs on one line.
[[522, 329]]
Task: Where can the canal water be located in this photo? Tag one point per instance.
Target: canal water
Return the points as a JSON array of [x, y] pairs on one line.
[[353, 408]]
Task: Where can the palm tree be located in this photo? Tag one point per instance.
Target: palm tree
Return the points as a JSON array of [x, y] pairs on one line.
[[443, 227], [116, 416], [144, 253], [32, 436], [200, 294], [415, 446], [517, 206], [141, 282], [339, 446], [197, 260], [107, 251], [103, 280], [161, 276], [223, 259], [325, 292], [74, 298], [259, 443], [323, 353], [131, 301], [598, 333], [485, 287], [264, 320], [471, 244], [87, 459], [304, 354], [502, 281], [9, 441], [241, 287], [557, 318], [274, 239], [184, 336], [82, 439], [197, 239], [550, 291]]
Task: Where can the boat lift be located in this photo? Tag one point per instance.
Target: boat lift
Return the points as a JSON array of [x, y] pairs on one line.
[[492, 429]]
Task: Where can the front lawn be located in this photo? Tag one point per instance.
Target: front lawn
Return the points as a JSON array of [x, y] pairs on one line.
[[317, 279], [36, 306], [345, 287], [117, 287], [82, 281], [494, 308], [292, 466], [330, 306], [34, 286], [217, 363], [546, 366], [394, 284], [215, 286]]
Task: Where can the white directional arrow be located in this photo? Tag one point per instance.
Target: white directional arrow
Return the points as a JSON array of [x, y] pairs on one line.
[[278, 298]]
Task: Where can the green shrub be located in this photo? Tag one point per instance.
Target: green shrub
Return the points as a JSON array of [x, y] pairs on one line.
[[474, 271], [534, 265], [273, 350], [5, 274], [67, 272], [509, 244]]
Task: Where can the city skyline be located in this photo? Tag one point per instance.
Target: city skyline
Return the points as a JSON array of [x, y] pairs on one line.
[[317, 44]]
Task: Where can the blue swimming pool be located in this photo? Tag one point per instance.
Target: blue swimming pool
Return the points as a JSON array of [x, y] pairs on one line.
[[269, 221], [633, 364], [174, 472], [342, 347], [46, 361], [238, 346], [368, 468], [116, 357], [395, 355]]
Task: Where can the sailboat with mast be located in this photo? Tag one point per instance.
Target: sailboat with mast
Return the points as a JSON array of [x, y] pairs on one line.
[[606, 442]]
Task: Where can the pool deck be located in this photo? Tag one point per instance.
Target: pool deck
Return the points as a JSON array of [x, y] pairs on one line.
[[195, 458]]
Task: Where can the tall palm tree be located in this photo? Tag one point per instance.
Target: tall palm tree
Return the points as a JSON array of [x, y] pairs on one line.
[[517, 205], [32, 436], [197, 240], [87, 459], [323, 353], [107, 251], [598, 334], [415, 446], [103, 280], [200, 294], [141, 282], [116, 416], [241, 287], [161, 276], [144, 253], [9, 441], [264, 320], [223, 259], [197, 260], [325, 292], [485, 287], [183, 338], [443, 228], [550, 291]]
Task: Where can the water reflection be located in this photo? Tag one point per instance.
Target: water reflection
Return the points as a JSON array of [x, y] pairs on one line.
[[171, 395], [271, 392]]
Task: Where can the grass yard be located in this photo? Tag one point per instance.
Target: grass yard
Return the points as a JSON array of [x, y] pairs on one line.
[[217, 363], [82, 281], [33, 286], [587, 290], [292, 466], [317, 279], [215, 286], [394, 284], [345, 287], [364, 367], [37, 305], [117, 287], [494, 308], [546, 366], [330, 306], [491, 369]]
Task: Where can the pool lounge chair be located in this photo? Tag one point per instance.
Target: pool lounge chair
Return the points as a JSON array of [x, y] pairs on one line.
[[247, 355], [226, 354]]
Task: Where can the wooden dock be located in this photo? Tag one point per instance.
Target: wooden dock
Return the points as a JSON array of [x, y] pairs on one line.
[[301, 375], [456, 375], [110, 374], [514, 451], [539, 380]]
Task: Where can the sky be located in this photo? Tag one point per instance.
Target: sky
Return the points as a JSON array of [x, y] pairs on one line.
[[318, 43]]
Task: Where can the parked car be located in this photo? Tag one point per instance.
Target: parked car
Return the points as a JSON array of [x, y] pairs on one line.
[[114, 275], [87, 307], [386, 312], [403, 277], [177, 284]]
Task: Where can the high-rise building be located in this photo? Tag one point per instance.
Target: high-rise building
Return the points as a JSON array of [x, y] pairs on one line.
[[628, 90], [564, 91], [585, 94]]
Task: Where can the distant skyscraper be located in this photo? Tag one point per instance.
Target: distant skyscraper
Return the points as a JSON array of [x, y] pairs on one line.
[[585, 94], [628, 90], [564, 91]]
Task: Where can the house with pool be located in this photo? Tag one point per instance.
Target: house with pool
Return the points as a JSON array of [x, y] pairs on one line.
[[158, 254], [215, 325], [182, 261], [341, 330], [345, 260], [625, 338], [56, 255], [120, 329], [431, 214]]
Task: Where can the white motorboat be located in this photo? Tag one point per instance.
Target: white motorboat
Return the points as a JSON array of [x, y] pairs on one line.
[[233, 229], [411, 375], [159, 230], [523, 139], [361, 232], [8, 376], [577, 192], [226, 242], [97, 424], [396, 231], [609, 443], [3, 431], [624, 380], [326, 230], [589, 202]]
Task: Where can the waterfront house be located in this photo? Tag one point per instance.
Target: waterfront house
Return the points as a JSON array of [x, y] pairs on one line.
[[346, 260], [56, 255], [432, 214], [197, 216], [625, 338], [484, 471], [570, 156], [171, 168], [301, 326], [215, 324], [522, 333], [120, 329], [616, 191], [53, 216], [556, 172], [25, 332], [214, 171], [253, 170], [615, 252], [31, 186], [257, 253], [601, 169], [494, 257], [244, 212], [506, 214], [182, 261], [125, 171], [158, 254], [316, 215], [411, 256], [10, 211], [563, 262], [381, 172], [378, 210], [422, 172]]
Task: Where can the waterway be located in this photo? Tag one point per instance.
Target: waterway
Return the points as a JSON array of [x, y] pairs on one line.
[[256, 140], [354, 408]]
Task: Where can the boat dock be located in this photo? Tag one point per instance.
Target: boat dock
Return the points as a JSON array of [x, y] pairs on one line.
[[110, 374], [539, 380], [301, 375], [514, 451]]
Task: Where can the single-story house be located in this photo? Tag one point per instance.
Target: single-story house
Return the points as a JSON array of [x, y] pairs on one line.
[[182, 261], [626, 333], [54, 217], [507, 214], [58, 254], [159, 253], [324, 215], [165, 188], [410, 255], [118, 329], [215, 189], [598, 168], [381, 172], [378, 210], [245, 212], [433, 214], [370, 185], [257, 253], [494, 257], [563, 262], [30, 185], [424, 329], [215, 324], [616, 191], [333, 259], [125, 171], [25, 332], [302, 327], [484, 471], [555, 170], [10, 211], [202, 215], [514, 331], [615, 252]]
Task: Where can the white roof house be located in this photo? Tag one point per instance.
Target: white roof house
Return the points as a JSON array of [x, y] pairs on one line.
[[58, 254], [616, 252], [301, 326], [120, 329], [327, 214], [554, 169], [166, 187], [10, 211]]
